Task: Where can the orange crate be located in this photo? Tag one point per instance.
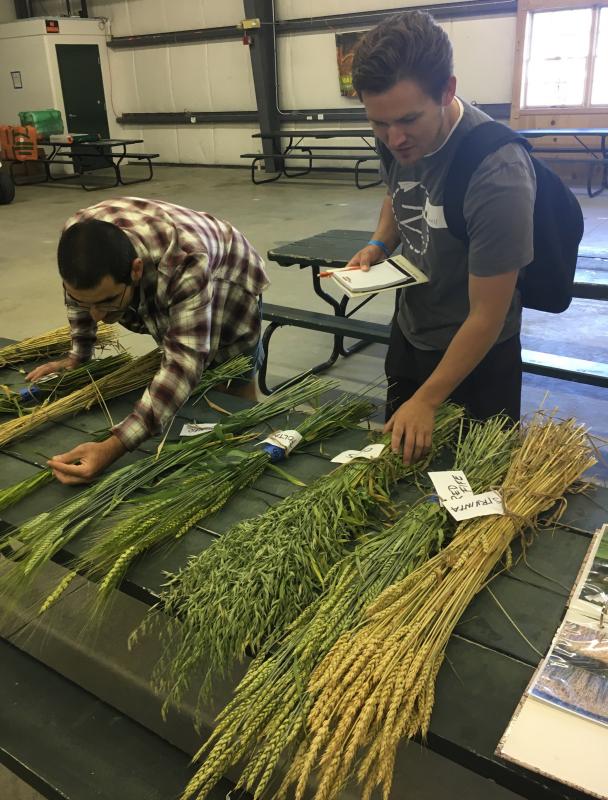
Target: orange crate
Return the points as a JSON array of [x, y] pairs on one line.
[[19, 142]]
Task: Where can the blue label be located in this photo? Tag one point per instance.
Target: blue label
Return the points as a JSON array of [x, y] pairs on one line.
[[276, 453], [29, 393]]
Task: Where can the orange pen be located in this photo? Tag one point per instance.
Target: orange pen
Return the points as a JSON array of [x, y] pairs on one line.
[[330, 272]]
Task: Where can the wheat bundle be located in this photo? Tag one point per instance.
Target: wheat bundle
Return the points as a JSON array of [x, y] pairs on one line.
[[266, 718], [133, 375], [263, 572], [52, 343], [59, 385], [376, 685]]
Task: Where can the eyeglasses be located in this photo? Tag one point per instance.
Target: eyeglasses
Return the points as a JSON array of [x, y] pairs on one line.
[[69, 300]]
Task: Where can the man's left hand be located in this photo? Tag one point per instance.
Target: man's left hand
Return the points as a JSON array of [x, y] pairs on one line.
[[412, 428], [84, 462]]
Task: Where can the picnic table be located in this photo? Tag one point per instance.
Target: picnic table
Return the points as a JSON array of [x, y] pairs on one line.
[[334, 248], [297, 150], [597, 154], [77, 716], [89, 156]]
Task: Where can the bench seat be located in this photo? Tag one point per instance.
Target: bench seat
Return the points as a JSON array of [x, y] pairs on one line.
[[547, 364]]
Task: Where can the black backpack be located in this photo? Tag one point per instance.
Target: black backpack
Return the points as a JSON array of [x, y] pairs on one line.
[[546, 283]]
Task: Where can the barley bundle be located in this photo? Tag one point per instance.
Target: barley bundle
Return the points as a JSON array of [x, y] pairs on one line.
[[18, 491], [52, 343], [267, 715], [133, 375], [41, 537], [168, 513], [376, 685], [263, 572]]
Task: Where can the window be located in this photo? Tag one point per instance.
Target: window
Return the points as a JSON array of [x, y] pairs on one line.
[[565, 57], [599, 91]]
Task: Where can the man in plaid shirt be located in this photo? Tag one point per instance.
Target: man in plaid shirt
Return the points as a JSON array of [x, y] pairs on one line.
[[190, 280]]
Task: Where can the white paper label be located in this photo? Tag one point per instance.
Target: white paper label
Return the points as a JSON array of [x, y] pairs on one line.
[[371, 453], [286, 440], [450, 485], [196, 428], [50, 377], [455, 494], [476, 505]]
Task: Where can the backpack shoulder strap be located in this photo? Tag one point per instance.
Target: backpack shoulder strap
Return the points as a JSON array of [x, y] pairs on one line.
[[475, 146]]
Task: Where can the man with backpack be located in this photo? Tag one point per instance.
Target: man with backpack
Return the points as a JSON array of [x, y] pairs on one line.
[[461, 203]]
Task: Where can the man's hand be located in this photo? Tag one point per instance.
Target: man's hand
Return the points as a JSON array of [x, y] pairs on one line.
[[412, 427], [53, 366], [87, 460], [368, 255]]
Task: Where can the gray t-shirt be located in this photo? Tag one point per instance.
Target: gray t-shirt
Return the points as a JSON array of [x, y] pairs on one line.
[[498, 209]]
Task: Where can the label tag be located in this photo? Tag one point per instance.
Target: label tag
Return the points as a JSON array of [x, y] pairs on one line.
[[286, 440], [450, 485], [371, 453], [476, 505], [50, 377], [197, 428], [457, 497]]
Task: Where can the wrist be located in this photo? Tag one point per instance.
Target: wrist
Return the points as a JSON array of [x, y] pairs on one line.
[[429, 396], [113, 446], [382, 246]]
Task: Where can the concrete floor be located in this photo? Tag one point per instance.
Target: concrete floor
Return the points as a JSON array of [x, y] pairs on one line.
[[281, 212]]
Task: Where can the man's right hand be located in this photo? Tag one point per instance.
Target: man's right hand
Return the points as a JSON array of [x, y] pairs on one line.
[[367, 256], [53, 366]]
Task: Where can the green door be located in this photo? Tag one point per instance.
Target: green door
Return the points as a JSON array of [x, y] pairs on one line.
[[82, 87]]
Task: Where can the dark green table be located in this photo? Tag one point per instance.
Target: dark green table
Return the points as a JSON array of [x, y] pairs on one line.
[[334, 248], [77, 717]]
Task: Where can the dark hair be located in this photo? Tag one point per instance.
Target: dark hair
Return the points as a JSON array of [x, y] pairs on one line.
[[90, 250], [408, 46]]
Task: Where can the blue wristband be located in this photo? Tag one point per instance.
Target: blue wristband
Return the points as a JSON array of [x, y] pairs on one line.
[[378, 243]]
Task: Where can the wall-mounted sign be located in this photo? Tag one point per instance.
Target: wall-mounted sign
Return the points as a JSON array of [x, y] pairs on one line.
[[52, 25], [17, 82]]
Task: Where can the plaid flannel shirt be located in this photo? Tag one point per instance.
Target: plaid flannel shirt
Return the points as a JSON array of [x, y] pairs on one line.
[[198, 298]]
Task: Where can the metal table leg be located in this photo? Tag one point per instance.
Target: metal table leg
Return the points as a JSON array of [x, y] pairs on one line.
[[338, 348], [339, 307], [318, 368]]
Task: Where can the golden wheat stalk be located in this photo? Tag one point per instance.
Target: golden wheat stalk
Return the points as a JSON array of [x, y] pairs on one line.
[[383, 691], [51, 343], [133, 375]]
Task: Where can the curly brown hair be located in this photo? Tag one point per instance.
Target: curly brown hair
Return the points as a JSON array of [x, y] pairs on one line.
[[408, 46]]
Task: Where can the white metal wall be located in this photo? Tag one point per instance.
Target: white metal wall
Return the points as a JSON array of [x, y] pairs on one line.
[[7, 11], [217, 76], [214, 76]]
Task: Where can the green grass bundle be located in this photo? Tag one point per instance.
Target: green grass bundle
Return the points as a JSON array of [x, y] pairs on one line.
[[38, 539], [257, 578], [376, 686], [55, 386], [221, 374], [134, 375], [10, 402], [52, 343], [227, 371], [266, 719], [168, 513]]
